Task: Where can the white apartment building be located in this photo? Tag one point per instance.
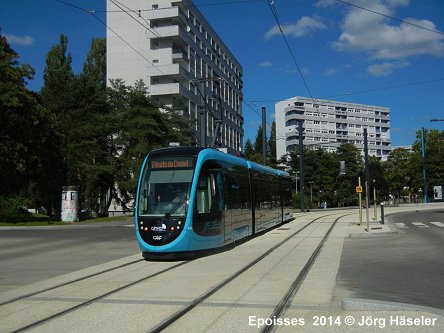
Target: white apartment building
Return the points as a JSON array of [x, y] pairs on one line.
[[328, 124], [173, 49]]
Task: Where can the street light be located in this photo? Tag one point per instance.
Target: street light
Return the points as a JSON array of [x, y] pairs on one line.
[[311, 190]]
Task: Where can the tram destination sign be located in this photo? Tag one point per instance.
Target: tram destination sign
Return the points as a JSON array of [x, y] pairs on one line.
[[172, 164]]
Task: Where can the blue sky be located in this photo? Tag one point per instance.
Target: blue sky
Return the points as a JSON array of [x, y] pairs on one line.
[[344, 52]]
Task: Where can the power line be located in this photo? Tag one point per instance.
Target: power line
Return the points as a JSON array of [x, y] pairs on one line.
[[273, 10], [128, 44], [357, 92], [390, 17], [195, 5], [260, 116], [74, 6]]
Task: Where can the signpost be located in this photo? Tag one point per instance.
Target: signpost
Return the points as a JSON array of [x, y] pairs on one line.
[[359, 191]]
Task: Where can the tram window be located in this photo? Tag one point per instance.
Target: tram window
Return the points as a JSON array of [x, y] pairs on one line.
[[207, 194], [203, 198], [238, 191], [266, 191], [163, 190]]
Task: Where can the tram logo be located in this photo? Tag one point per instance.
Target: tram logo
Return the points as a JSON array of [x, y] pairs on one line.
[[159, 228]]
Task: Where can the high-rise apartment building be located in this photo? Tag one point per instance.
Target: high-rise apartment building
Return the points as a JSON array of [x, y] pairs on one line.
[[173, 49], [328, 124]]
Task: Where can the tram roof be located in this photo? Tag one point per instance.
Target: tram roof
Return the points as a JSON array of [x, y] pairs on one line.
[[194, 151]]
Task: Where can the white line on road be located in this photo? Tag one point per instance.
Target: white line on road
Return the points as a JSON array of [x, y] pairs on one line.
[[420, 224], [438, 224]]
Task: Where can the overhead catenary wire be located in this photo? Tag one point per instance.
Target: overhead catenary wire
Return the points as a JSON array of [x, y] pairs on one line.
[[272, 7], [390, 17], [260, 116], [276, 18], [358, 91], [222, 3], [93, 14], [129, 12]]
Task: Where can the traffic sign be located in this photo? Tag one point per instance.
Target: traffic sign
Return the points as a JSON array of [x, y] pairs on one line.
[[358, 189]]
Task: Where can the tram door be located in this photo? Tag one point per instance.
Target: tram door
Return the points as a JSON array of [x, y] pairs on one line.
[[226, 213]]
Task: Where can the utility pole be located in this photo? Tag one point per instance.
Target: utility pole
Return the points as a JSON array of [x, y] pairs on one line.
[[424, 173], [204, 109], [367, 177], [301, 164], [202, 117]]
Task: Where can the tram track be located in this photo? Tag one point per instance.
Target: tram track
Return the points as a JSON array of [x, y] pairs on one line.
[[175, 316], [40, 291], [286, 299], [93, 300]]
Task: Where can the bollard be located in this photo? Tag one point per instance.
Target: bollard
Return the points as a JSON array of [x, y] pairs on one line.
[[382, 213]]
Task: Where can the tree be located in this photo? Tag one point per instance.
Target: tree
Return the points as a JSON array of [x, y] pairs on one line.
[[434, 160], [58, 79], [354, 164], [140, 127], [26, 134], [258, 142], [248, 150], [182, 129], [58, 98], [320, 169], [272, 160], [89, 143], [256, 154], [396, 170]]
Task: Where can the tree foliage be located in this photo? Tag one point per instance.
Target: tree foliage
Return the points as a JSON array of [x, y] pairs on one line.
[[26, 134], [77, 131]]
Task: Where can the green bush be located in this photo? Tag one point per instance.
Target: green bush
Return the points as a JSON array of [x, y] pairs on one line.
[[13, 209], [296, 199]]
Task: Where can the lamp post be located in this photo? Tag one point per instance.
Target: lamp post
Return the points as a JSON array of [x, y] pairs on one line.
[[296, 181], [301, 164], [424, 172]]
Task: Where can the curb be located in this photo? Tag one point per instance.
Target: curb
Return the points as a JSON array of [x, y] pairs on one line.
[[363, 234]]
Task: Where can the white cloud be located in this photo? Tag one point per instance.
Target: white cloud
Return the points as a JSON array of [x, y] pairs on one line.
[[19, 40], [304, 26], [266, 64], [331, 72], [325, 3], [374, 35], [385, 68]]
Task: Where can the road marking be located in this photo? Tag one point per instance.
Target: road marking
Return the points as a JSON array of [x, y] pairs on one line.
[[420, 224], [401, 225], [438, 224]]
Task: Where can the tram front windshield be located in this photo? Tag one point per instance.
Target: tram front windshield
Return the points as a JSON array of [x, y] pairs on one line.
[[165, 190]]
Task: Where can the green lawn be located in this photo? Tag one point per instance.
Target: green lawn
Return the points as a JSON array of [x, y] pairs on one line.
[[44, 220]]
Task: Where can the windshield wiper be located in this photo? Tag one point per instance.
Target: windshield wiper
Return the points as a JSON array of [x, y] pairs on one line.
[[180, 203]]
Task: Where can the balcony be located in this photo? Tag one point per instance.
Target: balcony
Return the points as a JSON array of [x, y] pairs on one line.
[[164, 89], [162, 14], [163, 31], [180, 55]]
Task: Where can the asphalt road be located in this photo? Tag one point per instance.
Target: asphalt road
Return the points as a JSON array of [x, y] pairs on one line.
[[406, 267], [33, 254]]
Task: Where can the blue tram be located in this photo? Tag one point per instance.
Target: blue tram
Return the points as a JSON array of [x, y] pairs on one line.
[[192, 198]]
